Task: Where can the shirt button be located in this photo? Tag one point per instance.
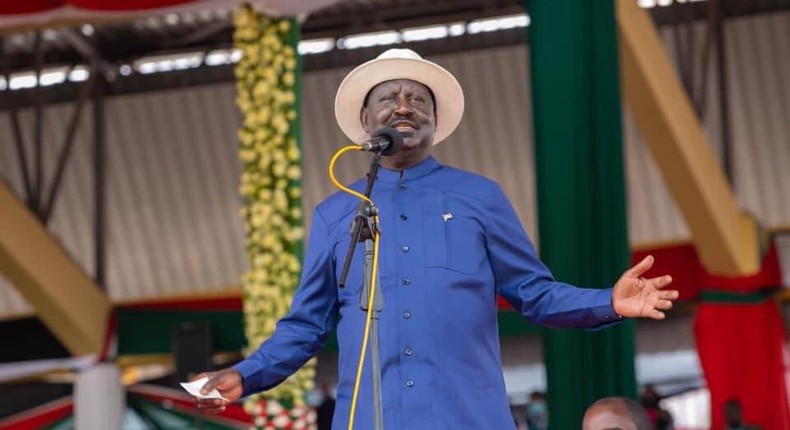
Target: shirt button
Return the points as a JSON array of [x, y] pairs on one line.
[[409, 383], [408, 351], [404, 248], [405, 281], [406, 314], [402, 186], [404, 217]]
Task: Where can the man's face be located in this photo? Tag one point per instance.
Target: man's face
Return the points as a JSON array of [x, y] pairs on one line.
[[608, 417], [406, 106]]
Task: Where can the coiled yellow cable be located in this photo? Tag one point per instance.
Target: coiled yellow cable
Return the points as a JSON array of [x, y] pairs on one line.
[[374, 277]]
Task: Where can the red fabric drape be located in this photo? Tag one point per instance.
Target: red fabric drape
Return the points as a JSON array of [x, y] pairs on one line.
[[29, 14], [740, 345], [36, 6], [741, 350], [769, 276], [681, 262], [40, 417], [122, 5], [29, 6]]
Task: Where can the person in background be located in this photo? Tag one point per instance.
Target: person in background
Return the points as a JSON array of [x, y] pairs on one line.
[[616, 413], [733, 414], [326, 410], [664, 420], [537, 412], [660, 418]]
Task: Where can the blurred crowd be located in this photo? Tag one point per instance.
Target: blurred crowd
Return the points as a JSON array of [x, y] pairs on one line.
[[609, 413], [623, 414]]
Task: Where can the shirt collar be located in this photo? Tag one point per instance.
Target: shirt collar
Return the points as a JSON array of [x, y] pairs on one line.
[[416, 171]]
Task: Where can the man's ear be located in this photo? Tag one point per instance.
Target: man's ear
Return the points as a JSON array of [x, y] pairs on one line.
[[363, 118]]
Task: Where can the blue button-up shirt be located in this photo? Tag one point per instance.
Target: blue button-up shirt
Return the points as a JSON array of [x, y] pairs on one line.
[[450, 242]]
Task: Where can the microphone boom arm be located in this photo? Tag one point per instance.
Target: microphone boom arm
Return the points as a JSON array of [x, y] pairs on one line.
[[362, 219]]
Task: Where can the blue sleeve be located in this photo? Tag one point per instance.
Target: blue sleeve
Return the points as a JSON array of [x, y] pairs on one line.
[[525, 282], [303, 331]]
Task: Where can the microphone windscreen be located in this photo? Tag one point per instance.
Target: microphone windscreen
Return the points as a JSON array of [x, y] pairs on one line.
[[393, 136]]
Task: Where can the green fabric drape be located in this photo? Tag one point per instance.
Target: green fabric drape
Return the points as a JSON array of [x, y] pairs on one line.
[[581, 192]]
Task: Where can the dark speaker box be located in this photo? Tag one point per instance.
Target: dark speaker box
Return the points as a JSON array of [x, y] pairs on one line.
[[192, 345]]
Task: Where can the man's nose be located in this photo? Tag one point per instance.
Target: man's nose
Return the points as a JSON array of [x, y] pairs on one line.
[[404, 107]]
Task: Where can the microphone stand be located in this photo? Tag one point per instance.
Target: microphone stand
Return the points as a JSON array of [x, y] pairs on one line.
[[363, 231]]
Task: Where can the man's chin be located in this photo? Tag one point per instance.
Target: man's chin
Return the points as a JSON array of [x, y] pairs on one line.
[[409, 144]]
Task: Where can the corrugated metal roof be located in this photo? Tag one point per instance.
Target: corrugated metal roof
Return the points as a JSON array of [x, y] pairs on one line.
[[759, 65], [173, 223], [173, 202], [759, 100], [172, 199]]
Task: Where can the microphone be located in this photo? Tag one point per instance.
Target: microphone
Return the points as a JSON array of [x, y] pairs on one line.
[[386, 140]]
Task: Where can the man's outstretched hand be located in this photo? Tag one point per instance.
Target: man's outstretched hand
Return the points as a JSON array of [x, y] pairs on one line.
[[229, 384], [635, 296]]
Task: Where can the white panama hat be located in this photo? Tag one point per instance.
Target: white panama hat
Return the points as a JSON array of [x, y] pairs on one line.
[[398, 64]]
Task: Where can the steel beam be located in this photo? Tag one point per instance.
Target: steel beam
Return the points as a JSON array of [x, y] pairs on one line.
[[66, 301], [724, 237]]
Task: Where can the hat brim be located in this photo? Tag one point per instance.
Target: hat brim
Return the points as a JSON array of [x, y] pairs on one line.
[[350, 97]]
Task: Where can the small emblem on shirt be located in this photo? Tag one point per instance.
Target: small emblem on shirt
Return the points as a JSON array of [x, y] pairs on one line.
[[447, 217]]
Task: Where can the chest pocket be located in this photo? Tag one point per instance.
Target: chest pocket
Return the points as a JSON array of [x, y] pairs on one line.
[[455, 236]]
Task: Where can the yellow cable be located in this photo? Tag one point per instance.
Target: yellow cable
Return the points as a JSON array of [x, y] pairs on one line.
[[334, 180], [366, 335], [369, 314]]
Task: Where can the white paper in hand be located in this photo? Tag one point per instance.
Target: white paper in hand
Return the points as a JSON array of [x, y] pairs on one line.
[[194, 387]]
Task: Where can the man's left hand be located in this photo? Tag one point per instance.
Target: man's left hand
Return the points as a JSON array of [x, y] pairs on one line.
[[635, 296]]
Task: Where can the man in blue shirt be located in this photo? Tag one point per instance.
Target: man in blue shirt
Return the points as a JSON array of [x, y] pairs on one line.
[[451, 243]]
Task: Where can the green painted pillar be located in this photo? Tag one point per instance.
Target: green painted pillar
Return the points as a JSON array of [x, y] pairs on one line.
[[581, 192]]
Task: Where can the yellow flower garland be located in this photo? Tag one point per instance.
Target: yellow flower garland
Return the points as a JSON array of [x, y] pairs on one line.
[[270, 186]]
